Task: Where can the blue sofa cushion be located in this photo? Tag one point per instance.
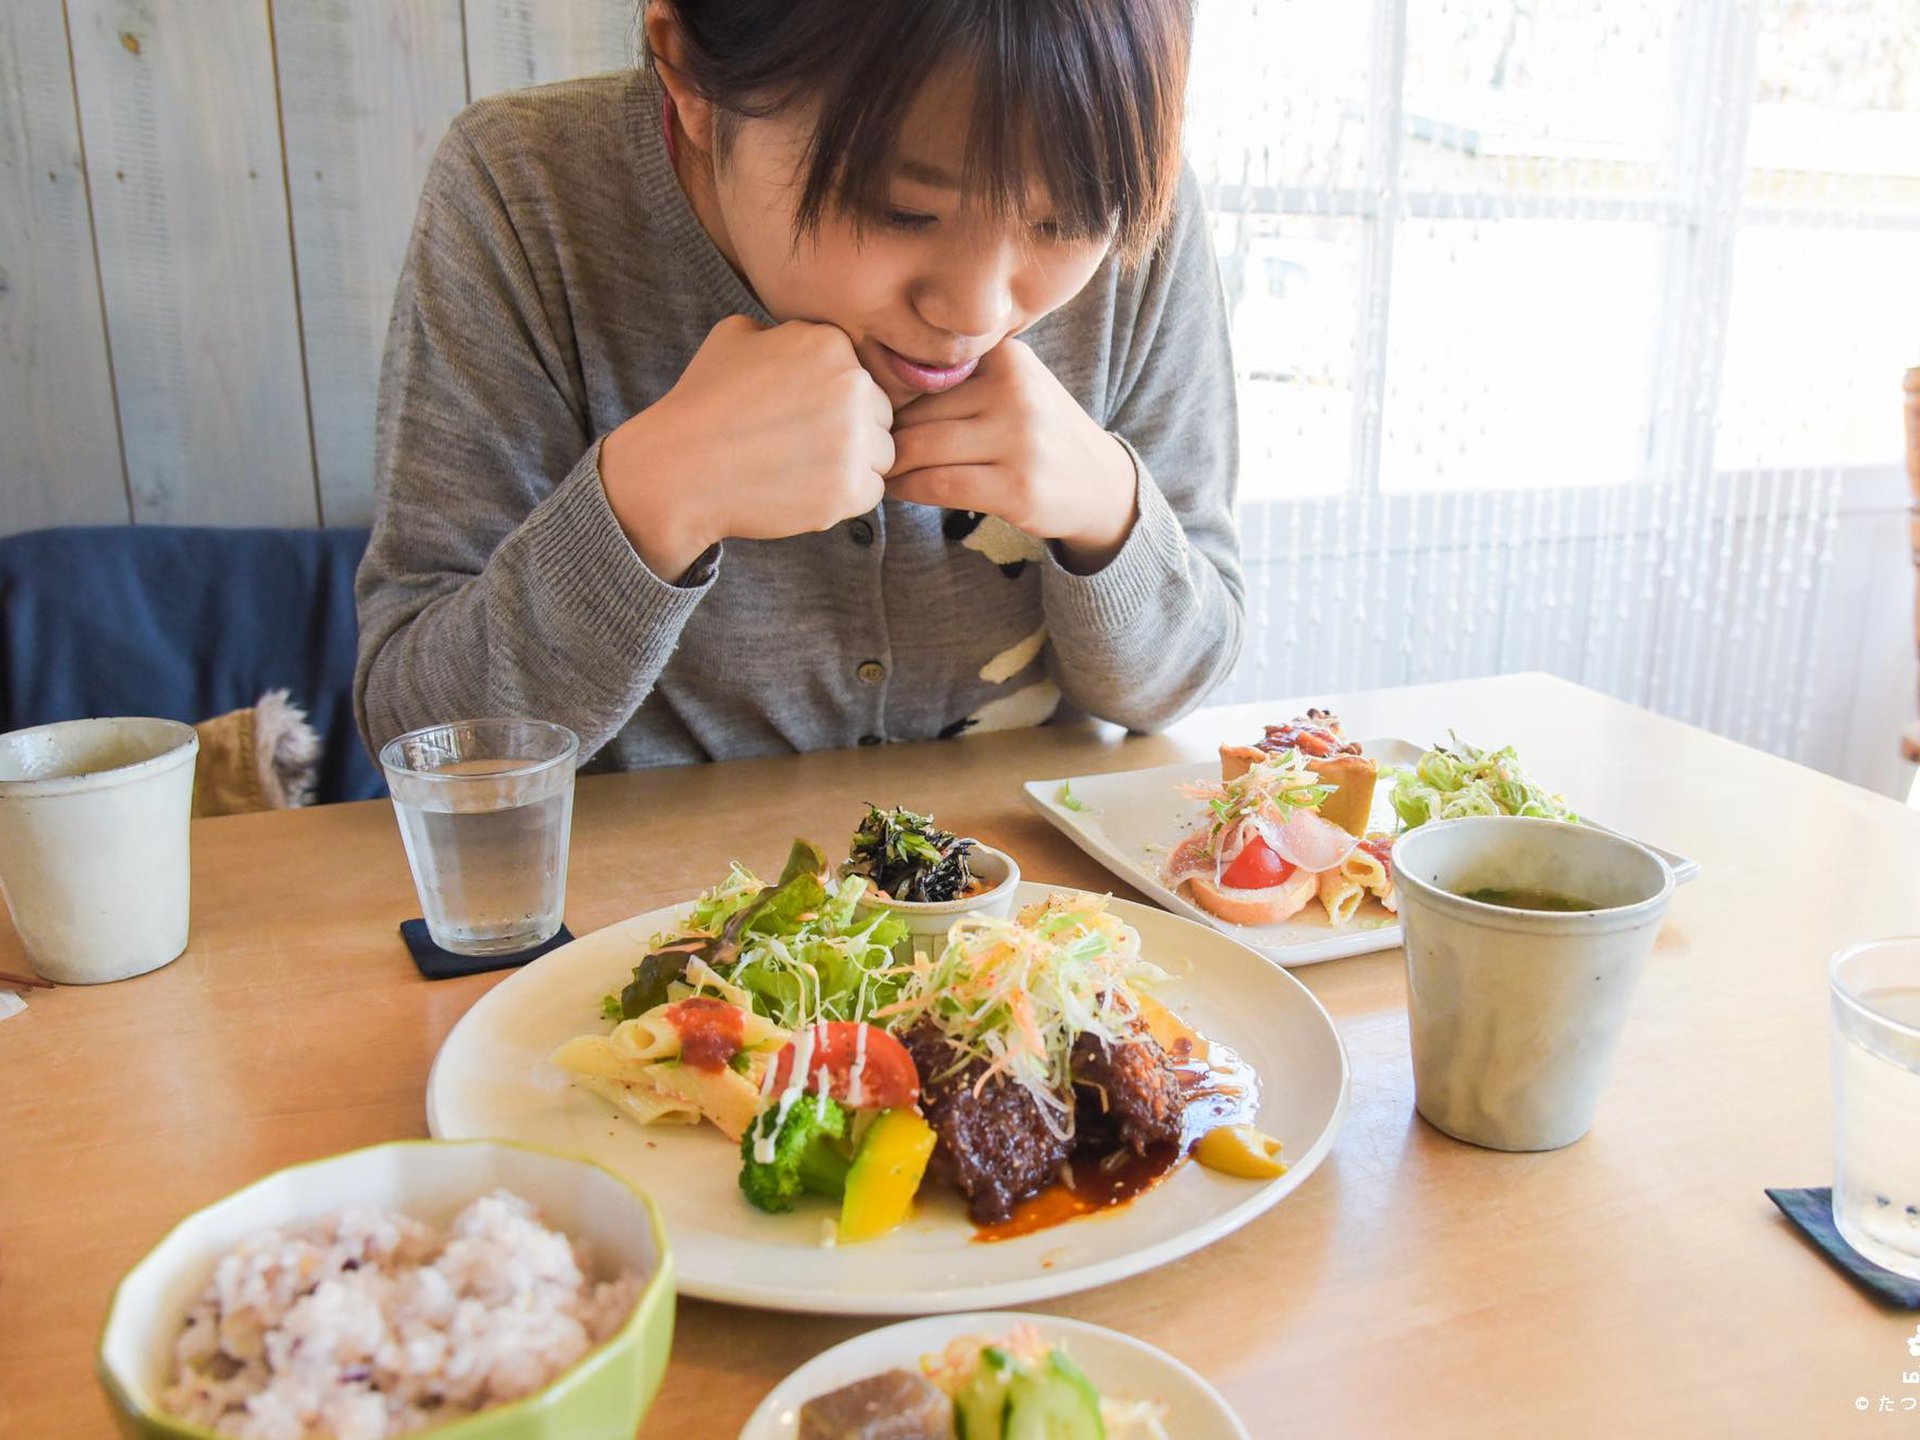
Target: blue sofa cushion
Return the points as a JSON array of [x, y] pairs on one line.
[[185, 623]]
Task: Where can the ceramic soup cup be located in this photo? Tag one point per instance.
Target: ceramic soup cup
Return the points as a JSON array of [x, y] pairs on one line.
[[1516, 1012]]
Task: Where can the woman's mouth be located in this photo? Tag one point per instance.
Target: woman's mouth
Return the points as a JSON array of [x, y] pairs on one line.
[[927, 377]]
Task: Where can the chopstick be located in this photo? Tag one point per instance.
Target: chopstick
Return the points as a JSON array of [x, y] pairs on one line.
[[23, 982]]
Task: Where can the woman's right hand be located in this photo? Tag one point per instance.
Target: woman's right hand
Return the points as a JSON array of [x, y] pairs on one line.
[[767, 433]]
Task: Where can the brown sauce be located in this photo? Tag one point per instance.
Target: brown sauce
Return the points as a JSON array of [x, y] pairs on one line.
[[1095, 1186], [1220, 1089]]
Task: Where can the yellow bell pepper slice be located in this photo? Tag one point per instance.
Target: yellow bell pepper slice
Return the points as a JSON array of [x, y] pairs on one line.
[[886, 1172], [1241, 1150]]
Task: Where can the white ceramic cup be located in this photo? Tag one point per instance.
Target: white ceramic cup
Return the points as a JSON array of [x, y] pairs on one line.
[[1516, 1013], [94, 818]]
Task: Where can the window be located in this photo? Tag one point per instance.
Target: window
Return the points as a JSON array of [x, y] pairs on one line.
[[1563, 332]]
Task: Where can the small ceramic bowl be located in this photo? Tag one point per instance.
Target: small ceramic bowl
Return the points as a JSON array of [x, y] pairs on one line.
[[605, 1394], [929, 921]]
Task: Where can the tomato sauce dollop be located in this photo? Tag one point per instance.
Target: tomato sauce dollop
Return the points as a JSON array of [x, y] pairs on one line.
[[711, 1031]]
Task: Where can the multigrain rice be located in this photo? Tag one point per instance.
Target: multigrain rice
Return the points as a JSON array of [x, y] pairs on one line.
[[364, 1325]]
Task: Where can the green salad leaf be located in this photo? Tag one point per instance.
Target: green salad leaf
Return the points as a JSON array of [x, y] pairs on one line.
[[800, 948], [1459, 779]]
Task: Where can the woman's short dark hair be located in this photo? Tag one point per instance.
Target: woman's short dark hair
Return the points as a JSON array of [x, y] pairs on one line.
[[1090, 89]]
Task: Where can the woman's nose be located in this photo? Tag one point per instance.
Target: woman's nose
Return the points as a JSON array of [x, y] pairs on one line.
[[972, 295]]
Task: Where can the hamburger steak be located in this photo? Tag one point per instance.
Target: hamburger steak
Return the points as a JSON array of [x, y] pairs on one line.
[[1128, 1090], [993, 1143]]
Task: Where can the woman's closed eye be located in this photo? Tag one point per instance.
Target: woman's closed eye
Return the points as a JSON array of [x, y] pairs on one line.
[[910, 220]]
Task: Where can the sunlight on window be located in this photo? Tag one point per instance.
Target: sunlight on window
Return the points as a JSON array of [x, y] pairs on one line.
[[1518, 354], [1491, 278], [1561, 330]]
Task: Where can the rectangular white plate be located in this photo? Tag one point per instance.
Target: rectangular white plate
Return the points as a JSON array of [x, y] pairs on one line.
[[1130, 820]]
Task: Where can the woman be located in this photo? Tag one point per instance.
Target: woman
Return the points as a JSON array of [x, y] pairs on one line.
[[852, 372]]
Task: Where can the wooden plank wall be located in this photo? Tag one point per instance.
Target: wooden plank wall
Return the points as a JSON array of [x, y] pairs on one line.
[[59, 437], [204, 205]]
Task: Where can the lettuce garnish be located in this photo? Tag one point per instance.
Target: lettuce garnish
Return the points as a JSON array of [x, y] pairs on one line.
[[800, 948], [1458, 779]]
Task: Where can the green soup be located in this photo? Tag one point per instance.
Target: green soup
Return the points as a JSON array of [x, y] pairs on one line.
[[1529, 899]]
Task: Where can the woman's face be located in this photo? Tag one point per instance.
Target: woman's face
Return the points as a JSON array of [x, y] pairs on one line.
[[922, 292]]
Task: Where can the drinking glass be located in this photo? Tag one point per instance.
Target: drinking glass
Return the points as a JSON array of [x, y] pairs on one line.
[[1876, 1100], [485, 808]]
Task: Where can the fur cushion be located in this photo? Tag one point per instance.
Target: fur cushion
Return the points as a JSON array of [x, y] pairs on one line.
[[263, 758]]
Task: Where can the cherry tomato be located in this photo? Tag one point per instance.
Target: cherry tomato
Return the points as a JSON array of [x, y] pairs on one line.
[[888, 1080], [1256, 867]]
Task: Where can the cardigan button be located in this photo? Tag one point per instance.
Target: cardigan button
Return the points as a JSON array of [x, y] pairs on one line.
[[871, 672], [860, 532], [871, 740]]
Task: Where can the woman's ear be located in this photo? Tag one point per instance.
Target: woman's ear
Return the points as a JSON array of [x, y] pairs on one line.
[[667, 43]]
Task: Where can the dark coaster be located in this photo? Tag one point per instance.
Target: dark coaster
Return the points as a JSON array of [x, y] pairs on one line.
[[438, 964], [1812, 1212]]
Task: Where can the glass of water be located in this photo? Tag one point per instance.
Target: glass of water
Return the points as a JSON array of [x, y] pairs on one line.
[[485, 808], [1876, 1100]]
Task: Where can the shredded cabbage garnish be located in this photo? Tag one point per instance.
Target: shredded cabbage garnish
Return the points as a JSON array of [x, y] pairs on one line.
[[806, 956], [1017, 993], [953, 1367], [1263, 799], [1133, 1419], [1461, 779]]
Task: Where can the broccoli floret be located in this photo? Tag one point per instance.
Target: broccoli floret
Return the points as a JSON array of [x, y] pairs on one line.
[[809, 1154]]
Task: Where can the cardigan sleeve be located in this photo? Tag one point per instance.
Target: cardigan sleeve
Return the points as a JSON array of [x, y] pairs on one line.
[[1142, 640], [497, 579]]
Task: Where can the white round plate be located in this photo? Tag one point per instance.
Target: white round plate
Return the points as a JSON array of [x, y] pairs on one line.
[[1118, 1365], [492, 1079]]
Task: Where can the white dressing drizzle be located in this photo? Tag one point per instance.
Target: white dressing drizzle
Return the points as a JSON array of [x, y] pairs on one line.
[[856, 1078], [804, 1043]]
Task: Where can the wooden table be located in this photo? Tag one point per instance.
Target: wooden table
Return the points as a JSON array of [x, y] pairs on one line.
[[1637, 1280]]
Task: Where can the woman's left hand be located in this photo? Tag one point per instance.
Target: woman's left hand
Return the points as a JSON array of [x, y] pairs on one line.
[[1010, 441]]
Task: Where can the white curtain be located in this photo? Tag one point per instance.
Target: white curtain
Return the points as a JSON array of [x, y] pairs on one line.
[[1564, 331]]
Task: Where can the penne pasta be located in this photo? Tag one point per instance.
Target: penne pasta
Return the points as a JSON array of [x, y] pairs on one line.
[[726, 1097], [1365, 869], [637, 1068], [598, 1057], [759, 1033], [662, 1091], [647, 1037], [640, 1102], [1341, 896]]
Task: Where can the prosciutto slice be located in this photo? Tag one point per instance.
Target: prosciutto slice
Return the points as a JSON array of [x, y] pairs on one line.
[[1306, 840], [1189, 858]]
